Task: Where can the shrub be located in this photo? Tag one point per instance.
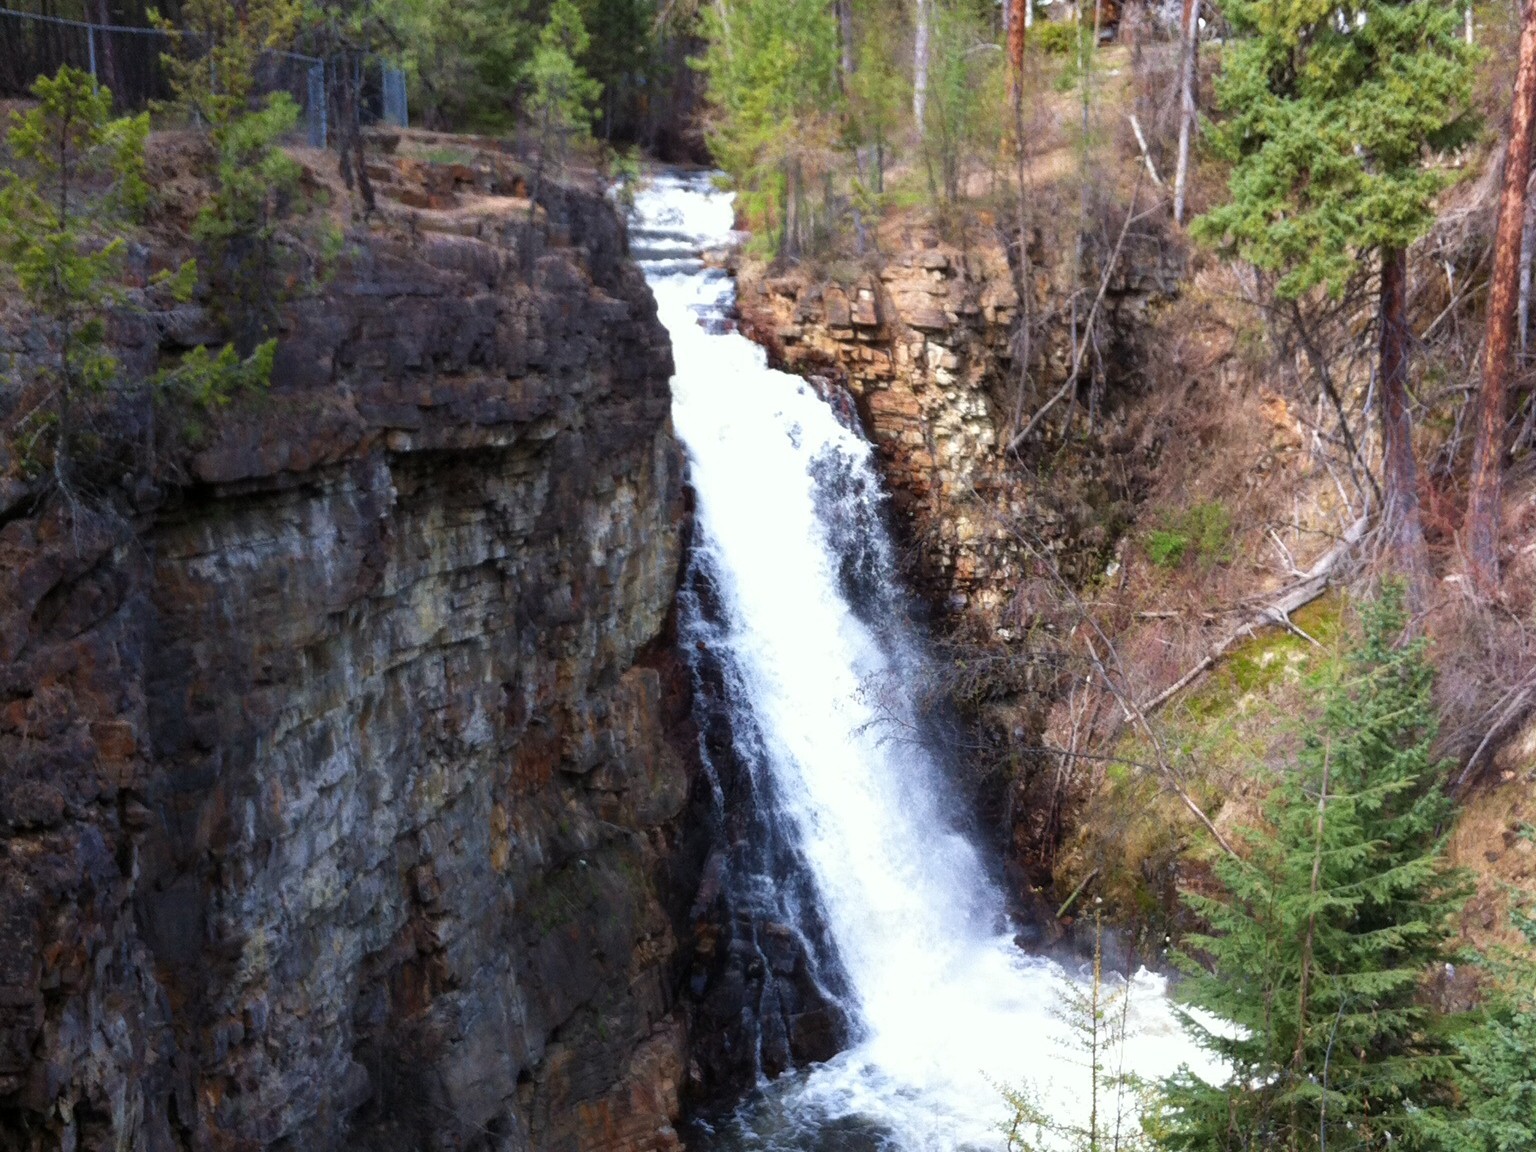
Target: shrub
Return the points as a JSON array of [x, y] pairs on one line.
[[1203, 532], [1057, 37]]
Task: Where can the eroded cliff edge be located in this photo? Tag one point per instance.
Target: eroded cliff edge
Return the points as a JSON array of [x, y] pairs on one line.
[[341, 786]]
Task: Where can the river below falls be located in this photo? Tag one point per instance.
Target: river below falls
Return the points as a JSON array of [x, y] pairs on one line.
[[806, 619]]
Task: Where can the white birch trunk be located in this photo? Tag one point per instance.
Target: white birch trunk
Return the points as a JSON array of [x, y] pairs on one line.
[[1188, 70], [920, 68]]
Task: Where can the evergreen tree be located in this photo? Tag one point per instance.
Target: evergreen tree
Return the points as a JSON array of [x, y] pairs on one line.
[[1498, 1073], [465, 58], [877, 93], [214, 80], [1328, 109], [561, 100], [962, 75], [772, 70], [562, 95], [1320, 937], [619, 58], [1097, 1016], [77, 177]]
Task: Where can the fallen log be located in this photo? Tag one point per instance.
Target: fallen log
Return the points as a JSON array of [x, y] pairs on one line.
[[1313, 583]]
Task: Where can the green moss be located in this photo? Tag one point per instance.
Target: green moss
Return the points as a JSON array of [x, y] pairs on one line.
[[1224, 735], [1202, 533]]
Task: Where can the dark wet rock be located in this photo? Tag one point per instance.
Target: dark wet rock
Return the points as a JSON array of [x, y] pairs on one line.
[[341, 787]]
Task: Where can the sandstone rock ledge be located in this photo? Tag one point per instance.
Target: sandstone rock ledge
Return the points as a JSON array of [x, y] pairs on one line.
[[341, 787]]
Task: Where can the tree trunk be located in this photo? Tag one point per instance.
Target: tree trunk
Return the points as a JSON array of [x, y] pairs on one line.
[[1017, 10], [1485, 497], [1527, 240], [920, 67], [107, 55], [845, 30], [1189, 72], [1298, 1058], [1401, 519]]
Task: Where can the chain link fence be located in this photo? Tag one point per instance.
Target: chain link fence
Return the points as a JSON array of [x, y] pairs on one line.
[[127, 60]]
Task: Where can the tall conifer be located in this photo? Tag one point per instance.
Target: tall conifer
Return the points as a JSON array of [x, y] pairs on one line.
[[1327, 111], [1321, 936]]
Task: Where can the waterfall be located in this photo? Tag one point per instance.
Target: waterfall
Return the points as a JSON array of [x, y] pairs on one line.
[[795, 626]]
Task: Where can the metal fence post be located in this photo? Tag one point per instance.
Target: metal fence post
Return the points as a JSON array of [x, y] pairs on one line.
[[90, 47], [316, 110]]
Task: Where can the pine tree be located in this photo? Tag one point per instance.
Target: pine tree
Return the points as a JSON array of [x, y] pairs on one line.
[[1497, 1077], [562, 95], [772, 69], [561, 100], [77, 179], [962, 74], [214, 81], [1328, 110], [1097, 1016], [1320, 937]]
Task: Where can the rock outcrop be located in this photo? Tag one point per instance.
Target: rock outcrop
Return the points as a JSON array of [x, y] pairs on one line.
[[341, 786], [927, 342]]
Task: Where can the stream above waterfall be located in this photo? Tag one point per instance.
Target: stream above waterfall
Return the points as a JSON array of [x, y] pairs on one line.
[[796, 610]]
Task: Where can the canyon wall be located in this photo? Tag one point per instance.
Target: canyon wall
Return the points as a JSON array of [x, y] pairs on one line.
[[342, 784]]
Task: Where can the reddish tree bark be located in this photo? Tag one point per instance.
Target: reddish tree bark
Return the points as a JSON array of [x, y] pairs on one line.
[[1401, 519], [1485, 498], [1017, 10]]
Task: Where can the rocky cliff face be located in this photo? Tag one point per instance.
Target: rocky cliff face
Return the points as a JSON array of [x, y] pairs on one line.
[[341, 787], [927, 342]]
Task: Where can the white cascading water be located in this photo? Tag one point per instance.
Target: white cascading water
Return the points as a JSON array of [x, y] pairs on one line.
[[944, 1005]]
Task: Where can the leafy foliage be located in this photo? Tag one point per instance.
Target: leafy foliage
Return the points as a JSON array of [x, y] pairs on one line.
[[65, 210], [562, 95], [465, 58], [963, 92], [621, 57], [253, 179], [771, 68], [1319, 939], [878, 94], [213, 75]]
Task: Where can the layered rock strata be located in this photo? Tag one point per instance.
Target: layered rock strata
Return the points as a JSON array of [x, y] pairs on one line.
[[341, 787], [928, 342]]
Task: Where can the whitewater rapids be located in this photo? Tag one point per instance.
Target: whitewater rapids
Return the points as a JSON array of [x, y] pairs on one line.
[[945, 1006]]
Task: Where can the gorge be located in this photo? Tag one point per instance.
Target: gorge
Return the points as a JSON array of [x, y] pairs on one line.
[[767, 576], [403, 778]]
